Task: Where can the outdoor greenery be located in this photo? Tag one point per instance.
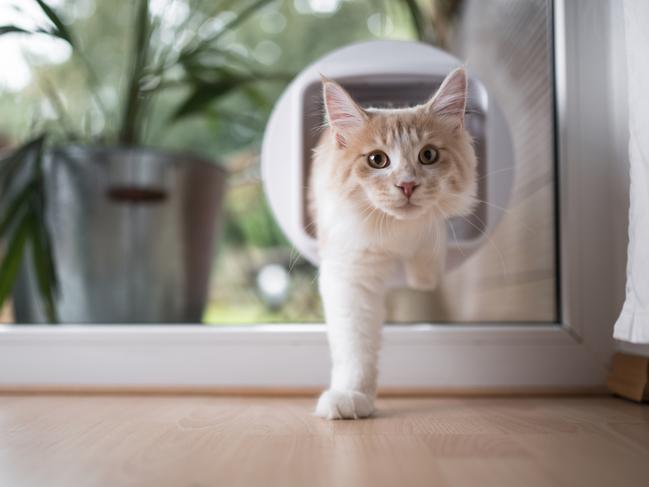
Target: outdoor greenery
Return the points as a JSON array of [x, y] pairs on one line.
[[175, 74]]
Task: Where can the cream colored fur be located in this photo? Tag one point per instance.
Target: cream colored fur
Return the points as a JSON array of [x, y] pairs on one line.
[[367, 225]]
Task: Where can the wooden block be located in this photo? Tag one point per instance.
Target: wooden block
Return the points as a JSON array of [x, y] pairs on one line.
[[629, 377]]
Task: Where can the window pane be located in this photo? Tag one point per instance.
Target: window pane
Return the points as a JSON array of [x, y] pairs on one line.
[[256, 274]]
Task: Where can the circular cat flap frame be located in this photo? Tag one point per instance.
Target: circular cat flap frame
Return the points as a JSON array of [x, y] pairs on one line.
[[382, 73]]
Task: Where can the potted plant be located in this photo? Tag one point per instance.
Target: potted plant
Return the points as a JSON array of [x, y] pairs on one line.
[[100, 228]]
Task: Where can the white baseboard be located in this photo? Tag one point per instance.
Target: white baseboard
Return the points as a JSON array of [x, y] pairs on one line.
[[292, 356]]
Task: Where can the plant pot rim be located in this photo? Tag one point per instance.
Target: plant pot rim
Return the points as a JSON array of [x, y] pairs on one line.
[[169, 155]]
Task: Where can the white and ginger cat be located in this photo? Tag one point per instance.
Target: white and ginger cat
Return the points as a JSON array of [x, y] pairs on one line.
[[383, 184]]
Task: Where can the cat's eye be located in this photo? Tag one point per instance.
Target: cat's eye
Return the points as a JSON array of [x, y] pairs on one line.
[[378, 159], [428, 155]]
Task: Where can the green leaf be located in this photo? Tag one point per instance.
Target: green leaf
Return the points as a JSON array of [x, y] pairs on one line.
[[240, 18], [57, 104], [61, 29], [11, 260], [19, 154], [417, 18], [17, 166], [237, 20], [203, 94], [134, 101], [45, 273], [49, 255], [22, 221], [12, 29], [44, 238], [15, 205], [255, 95]]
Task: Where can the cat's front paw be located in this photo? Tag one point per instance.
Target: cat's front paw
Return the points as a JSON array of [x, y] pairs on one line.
[[422, 282], [336, 404], [422, 277]]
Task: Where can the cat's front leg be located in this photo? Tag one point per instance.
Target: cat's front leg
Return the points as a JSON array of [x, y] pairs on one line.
[[424, 269], [352, 294]]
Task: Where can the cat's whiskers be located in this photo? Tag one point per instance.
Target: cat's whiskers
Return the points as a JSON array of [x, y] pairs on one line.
[[369, 212], [316, 276], [508, 211], [372, 213], [496, 171], [294, 255], [491, 241], [365, 208], [446, 219], [292, 258], [383, 220]]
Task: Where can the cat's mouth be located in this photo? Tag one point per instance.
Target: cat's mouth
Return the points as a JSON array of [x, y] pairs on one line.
[[406, 210], [409, 205]]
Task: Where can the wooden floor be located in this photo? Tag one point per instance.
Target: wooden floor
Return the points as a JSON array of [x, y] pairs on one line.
[[215, 441]]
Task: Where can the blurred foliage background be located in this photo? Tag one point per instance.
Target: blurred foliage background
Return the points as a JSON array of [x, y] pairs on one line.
[[258, 276]]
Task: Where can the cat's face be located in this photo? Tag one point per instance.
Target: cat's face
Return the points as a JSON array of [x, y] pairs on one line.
[[405, 162]]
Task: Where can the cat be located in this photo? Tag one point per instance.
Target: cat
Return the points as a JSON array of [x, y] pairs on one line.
[[382, 185]]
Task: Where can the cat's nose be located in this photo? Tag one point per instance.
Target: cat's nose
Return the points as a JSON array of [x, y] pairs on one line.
[[408, 187]]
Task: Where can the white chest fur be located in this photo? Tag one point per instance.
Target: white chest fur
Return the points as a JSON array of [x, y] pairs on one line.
[[348, 229]]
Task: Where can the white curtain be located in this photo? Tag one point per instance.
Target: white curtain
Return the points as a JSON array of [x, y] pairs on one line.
[[633, 323]]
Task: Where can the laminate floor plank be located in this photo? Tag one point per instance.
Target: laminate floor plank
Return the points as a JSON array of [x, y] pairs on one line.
[[195, 441]]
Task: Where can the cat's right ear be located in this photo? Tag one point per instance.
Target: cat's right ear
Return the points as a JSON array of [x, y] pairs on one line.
[[343, 114]]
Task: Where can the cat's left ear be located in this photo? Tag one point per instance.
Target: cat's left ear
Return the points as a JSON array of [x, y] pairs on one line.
[[343, 114], [450, 99]]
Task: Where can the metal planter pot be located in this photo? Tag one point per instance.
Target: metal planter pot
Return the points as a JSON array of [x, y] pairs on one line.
[[134, 232]]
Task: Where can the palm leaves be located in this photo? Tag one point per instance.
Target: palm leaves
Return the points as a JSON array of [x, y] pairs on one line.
[[147, 75], [56, 28], [23, 224], [207, 82]]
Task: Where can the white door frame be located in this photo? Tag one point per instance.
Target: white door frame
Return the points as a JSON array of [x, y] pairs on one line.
[[572, 354]]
